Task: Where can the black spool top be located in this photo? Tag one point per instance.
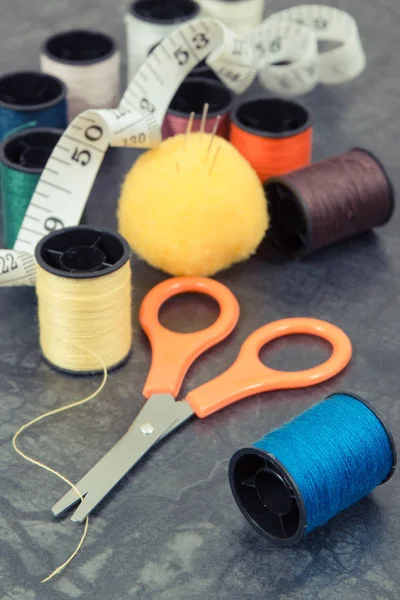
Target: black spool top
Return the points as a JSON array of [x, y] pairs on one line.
[[29, 150], [82, 252], [271, 117], [267, 494], [79, 47], [30, 91], [290, 228], [194, 92], [164, 13]]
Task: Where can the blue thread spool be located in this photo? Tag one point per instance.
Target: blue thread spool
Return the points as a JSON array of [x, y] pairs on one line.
[[301, 475], [29, 96]]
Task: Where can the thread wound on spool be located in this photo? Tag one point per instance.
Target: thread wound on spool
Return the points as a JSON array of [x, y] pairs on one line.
[[328, 201], [191, 96], [23, 157], [89, 63], [275, 135], [29, 96], [148, 21], [299, 476], [239, 15], [84, 294]]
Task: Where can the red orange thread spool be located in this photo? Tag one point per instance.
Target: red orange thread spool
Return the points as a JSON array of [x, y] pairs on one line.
[[191, 96], [274, 134]]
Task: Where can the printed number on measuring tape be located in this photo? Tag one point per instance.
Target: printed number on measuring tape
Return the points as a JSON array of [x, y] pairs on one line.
[[289, 37]]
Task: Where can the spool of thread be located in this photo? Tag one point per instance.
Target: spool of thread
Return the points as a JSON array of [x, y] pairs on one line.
[[275, 135], [148, 21], [239, 15], [191, 96], [298, 477], [89, 64], [331, 200], [83, 285], [31, 97], [23, 157]]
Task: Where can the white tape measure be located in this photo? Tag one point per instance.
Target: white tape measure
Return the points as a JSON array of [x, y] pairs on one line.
[[62, 191]]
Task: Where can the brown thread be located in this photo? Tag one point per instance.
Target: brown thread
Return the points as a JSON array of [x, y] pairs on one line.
[[328, 201]]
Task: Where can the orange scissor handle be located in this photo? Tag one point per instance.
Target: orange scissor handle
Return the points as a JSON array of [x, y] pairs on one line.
[[174, 353], [248, 375]]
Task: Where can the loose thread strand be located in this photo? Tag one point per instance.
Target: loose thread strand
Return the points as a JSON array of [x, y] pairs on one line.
[[53, 471]]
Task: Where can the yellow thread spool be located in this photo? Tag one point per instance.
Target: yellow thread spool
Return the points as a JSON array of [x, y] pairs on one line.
[[83, 286]]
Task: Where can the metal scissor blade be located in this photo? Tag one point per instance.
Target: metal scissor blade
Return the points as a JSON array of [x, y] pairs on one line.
[[160, 415]]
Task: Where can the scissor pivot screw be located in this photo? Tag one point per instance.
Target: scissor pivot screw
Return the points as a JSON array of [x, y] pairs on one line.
[[147, 428]]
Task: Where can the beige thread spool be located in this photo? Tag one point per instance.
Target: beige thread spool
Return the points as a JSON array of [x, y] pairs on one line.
[[83, 286]]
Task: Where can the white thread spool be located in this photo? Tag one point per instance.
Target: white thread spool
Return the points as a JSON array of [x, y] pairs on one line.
[[148, 21], [89, 64], [239, 15]]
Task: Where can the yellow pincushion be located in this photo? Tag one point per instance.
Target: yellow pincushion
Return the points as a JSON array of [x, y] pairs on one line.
[[189, 213]]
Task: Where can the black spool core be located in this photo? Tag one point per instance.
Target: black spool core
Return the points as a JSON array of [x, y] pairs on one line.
[[29, 150], [273, 492], [30, 91], [162, 12], [271, 117], [195, 92], [79, 46], [290, 226], [267, 496], [82, 252]]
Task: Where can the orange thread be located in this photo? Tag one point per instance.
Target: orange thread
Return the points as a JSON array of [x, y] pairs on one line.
[[274, 135]]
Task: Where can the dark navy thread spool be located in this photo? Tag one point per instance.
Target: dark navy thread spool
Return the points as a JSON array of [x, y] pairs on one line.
[[191, 96], [329, 201], [271, 481], [27, 97], [23, 157], [85, 255], [148, 21], [89, 64]]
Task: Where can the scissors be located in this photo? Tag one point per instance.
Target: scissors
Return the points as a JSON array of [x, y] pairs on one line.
[[172, 355]]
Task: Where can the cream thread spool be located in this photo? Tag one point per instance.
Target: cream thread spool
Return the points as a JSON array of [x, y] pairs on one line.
[[84, 296], [239, 15], [89, 64], [148, 21]]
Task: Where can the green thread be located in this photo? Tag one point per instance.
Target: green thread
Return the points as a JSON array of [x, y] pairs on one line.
[[17, 189]]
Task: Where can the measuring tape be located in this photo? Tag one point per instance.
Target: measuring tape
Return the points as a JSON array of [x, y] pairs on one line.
[[62, 191], [342, 57]]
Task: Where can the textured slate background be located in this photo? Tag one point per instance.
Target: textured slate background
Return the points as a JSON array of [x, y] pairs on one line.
[[171, 529]]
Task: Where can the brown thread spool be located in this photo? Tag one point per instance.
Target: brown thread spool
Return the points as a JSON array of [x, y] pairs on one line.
[[192, 95], [274, 134], [331, 200]]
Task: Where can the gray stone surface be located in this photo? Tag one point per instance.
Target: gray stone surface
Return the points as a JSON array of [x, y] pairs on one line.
[[171, 530]]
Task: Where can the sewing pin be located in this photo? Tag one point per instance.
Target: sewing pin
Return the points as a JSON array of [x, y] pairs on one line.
[[214, 131], [214, 160], [203, 119], [188, 130]]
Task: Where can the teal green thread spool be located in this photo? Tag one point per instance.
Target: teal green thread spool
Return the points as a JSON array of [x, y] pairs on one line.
[[30, 96], [23, 157], [299, 476]]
